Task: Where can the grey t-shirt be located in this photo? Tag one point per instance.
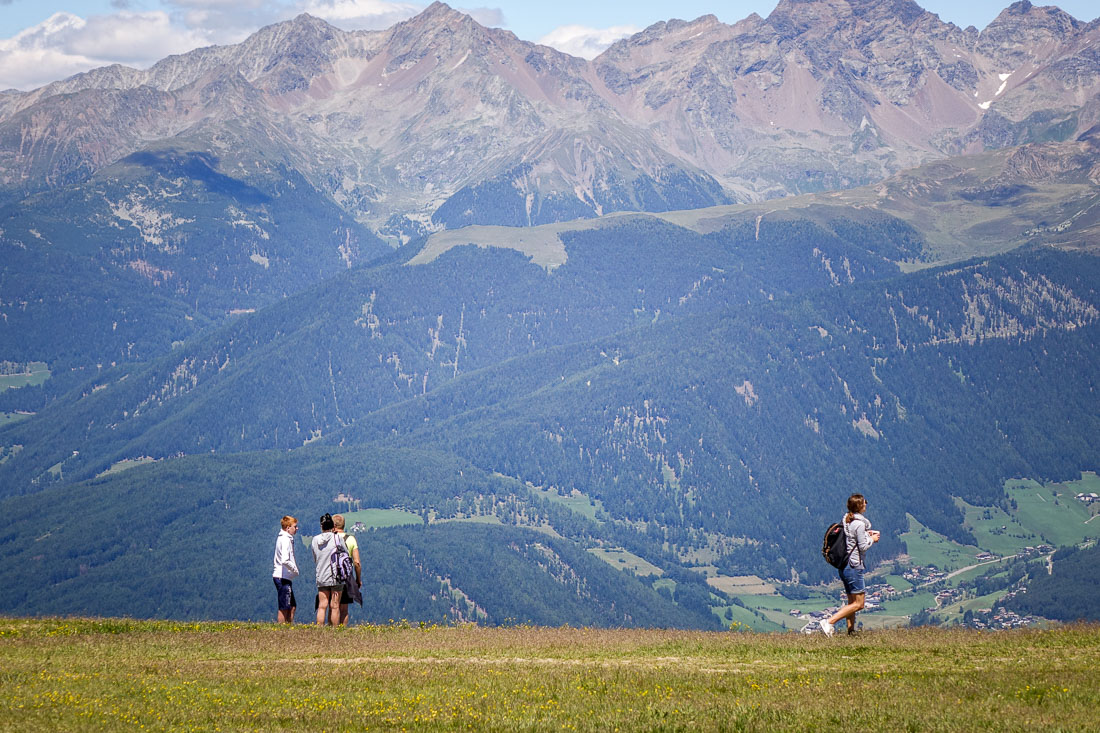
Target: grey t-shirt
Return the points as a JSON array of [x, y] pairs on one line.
[[323, 546]]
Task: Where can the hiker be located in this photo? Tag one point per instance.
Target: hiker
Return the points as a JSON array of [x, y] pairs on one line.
[[350, 592], [286, 569], [860, 537], [328, 588]]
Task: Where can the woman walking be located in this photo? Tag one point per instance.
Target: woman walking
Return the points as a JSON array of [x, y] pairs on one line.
[[860, 537]]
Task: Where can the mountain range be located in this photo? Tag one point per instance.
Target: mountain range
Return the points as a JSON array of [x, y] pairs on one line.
[[439, 121], [711, 282]]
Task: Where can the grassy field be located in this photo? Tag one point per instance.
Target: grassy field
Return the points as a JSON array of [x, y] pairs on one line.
[[1058, 520], [71, 674], [120, 466], [37, 373], [626, 560], [931, 548], [10, 417], [578, 502], [1044, 515], [378, 518]]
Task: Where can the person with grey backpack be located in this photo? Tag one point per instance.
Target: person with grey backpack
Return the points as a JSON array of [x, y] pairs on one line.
[[327, 547], [858, 539]]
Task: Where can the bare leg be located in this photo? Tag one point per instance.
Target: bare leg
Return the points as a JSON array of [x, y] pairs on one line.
[[855, 604], [343, 614], [324, 596], [334, 608]]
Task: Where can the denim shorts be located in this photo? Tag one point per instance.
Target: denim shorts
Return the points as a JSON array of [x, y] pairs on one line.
[[853, 580], [286, 594]]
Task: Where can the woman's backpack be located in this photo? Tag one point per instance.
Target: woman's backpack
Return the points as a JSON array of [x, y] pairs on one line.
[[342, 569], [835, 547]]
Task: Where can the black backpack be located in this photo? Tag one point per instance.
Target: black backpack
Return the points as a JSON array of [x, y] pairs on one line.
[[835, 547]]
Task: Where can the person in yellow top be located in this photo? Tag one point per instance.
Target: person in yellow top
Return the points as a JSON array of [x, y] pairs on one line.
[[350, 593]]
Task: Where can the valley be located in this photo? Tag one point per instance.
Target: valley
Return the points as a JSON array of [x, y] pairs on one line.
[[944, 580], [577, 342], [937, 579]]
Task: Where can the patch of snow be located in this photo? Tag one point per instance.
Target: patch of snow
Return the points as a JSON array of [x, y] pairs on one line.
[[985, 105], [260, 260], [1001, 88], [1003, 77]]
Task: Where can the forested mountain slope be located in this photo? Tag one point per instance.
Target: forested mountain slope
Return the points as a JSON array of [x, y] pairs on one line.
[[637, 348], [200, 526], [317, 362], [712, 409]]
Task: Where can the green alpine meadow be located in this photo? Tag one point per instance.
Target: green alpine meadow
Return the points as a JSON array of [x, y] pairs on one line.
[[119, 674], [589, 352]]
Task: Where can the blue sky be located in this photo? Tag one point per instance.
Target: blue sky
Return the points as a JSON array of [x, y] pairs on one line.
[[43, 40]]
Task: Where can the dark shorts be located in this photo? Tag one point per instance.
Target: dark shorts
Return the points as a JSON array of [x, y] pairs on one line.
[[286, 594], [853, 581], [317, 598]]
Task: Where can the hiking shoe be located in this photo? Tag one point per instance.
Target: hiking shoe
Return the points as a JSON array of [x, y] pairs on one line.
[[827, 628]]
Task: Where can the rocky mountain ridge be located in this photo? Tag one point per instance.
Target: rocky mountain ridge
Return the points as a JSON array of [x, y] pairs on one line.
[[394, 125]]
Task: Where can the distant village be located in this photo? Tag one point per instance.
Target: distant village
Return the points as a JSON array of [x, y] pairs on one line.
[[876, 594], [984, 618]]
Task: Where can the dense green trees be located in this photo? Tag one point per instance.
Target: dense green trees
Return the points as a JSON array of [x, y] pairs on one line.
[[1068, 591], [721, 392], [192, 538]]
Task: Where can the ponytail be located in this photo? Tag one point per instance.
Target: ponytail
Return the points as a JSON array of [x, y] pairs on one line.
[[856, 503]]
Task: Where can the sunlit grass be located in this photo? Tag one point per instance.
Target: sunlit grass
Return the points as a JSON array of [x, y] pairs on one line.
[[37, 373], [106, 674]]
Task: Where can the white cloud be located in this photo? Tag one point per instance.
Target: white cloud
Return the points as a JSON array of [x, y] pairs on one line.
[[139, 39], [360, 14], [230, 21], [588, 43], [65, 44], [29, 59]]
